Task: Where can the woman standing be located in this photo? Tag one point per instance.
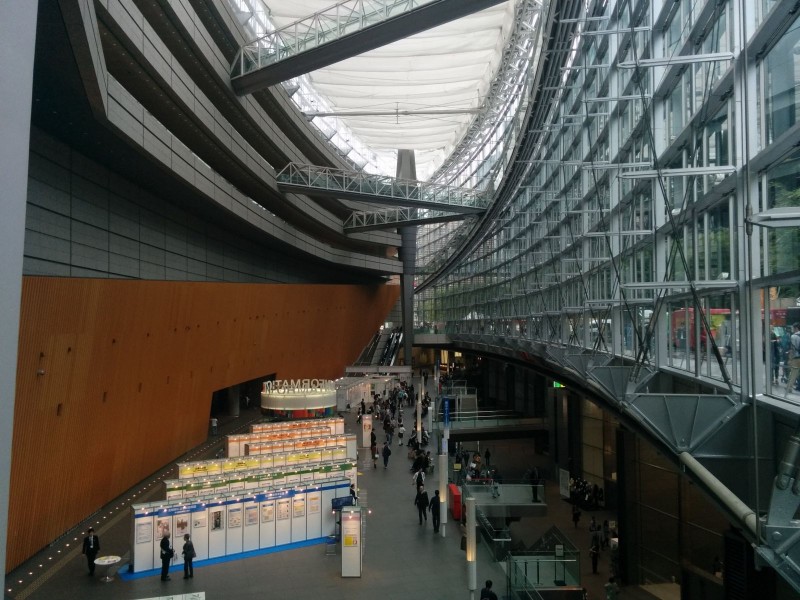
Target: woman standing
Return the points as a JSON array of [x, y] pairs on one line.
[[188, 556]]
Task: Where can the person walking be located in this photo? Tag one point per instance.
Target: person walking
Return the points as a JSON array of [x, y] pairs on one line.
[[188, 557], [435, 507], [418, 480], [373, 448], [487, 593], [487, 457], [401, 431], [91, 546], [387, 452], [594, 554], [576, 515], [166, 556], [421, 501]]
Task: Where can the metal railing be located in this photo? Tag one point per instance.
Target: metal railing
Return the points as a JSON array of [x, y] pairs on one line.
[[399, 191], [315, 30]]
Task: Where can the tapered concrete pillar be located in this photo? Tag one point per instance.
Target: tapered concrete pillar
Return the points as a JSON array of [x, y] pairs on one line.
[[407, 169], [17, 45]]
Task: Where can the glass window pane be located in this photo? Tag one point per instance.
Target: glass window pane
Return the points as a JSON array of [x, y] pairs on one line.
[[781, 77]]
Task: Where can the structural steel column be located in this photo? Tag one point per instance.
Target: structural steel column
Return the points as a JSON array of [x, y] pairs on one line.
[[407, 169], [17, 46]]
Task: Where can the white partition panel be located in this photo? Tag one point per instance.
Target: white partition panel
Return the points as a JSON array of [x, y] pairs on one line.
[[313, 515], [352, 448], [299, 517], [267, 534], [233, 544], [163, 525], [182, 523], [283, 521], [216, 530], [352, 545], [366, 430], [200, 532], [251, 535], [143, 542], [328, 517], [231, 525]]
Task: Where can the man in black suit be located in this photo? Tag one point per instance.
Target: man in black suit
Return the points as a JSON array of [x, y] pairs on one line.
[[166, 557], [422, 501], [91, 546], [434, 507]]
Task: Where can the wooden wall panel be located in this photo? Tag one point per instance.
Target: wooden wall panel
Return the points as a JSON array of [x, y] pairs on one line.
[[114, 378]]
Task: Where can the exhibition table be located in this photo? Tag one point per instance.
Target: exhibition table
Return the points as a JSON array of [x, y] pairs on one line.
[[107, 561]]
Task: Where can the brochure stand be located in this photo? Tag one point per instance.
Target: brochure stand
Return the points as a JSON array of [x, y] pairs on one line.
[[352, 541]]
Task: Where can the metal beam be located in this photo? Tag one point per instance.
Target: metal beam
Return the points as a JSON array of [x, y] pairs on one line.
[[379, 189], [347, 29], [396, 217]]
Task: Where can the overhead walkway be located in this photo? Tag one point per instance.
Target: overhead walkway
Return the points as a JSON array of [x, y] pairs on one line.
[[379, 189], [343, 30], [391, 218]]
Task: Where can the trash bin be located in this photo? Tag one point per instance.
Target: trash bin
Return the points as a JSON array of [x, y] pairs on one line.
[[454, 500]]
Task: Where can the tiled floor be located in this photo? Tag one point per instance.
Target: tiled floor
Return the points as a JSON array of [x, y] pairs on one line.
[[402, 559]]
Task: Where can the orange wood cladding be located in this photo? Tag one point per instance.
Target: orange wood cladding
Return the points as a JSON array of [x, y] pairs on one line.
[[114, 378]]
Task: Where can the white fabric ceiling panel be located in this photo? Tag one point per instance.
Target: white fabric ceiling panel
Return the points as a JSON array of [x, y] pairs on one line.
[[448, 67]]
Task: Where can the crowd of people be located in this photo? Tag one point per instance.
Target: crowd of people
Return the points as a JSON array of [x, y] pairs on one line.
[[584, 494]]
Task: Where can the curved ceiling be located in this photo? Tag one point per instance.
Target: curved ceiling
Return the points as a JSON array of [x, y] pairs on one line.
[[445, 71]]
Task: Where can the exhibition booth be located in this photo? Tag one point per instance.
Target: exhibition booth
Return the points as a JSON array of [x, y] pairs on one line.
[[281, 485], [229, 524], [305, 444], [251, 480], [219, 466], [335, 424], [235, 444]]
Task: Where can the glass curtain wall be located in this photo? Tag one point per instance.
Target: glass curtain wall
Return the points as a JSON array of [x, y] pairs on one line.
[[586, 253]]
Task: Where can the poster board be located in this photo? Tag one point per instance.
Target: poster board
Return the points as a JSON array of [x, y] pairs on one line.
[[216, 531], [351, 542], [234, 531], [250, 527], [314, 515], [267, 525], [142, 538], [299, 517], [283, 521]]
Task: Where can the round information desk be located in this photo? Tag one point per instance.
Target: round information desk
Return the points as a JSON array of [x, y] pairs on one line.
[[107, 561]]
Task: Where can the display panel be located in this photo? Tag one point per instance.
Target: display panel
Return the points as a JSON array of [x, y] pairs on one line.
[[144, 532], [181, 525]]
